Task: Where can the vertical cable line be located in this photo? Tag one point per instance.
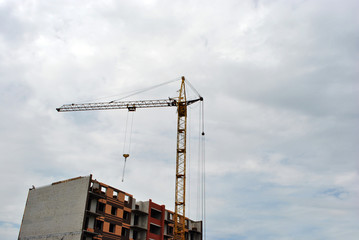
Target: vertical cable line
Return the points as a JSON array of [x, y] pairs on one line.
[[203, 188], [124, 141], [129, 146], [193, 169], [199, 207], [124, 147], [189, 115], [126, 155], [204, 173]]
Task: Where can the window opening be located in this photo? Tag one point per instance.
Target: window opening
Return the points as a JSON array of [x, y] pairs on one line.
[[101, 207], [103, 189], [156, 214], [115, 194], [99, 224], [155, 229], [114, 210], [134, 235], [112, 228], [126, 215], [135, 221], [86, 222], [95, 186], [124, 232]]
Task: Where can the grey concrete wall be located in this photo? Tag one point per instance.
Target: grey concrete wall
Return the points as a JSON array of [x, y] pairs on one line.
[[195, 224], [55, 212]]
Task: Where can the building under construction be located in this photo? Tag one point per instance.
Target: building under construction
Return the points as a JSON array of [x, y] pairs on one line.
[[83, 208]]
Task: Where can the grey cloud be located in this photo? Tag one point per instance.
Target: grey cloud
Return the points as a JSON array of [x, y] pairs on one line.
[[11, 28], [279, 82]]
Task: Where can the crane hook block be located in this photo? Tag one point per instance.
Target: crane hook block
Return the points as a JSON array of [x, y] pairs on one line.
[[131, 108], [126, 155]]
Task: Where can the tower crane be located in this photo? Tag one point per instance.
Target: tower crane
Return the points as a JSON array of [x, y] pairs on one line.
[[181, 103]]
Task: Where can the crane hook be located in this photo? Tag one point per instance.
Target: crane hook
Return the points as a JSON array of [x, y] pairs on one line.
[[125, 155]]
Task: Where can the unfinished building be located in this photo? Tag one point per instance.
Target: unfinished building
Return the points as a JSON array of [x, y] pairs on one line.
[[83, 208]]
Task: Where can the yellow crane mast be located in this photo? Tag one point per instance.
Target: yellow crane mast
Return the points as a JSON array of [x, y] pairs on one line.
[[180, 200], [181, 103]]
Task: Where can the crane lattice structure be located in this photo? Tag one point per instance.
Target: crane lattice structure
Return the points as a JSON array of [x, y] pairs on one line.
[[181, 103]]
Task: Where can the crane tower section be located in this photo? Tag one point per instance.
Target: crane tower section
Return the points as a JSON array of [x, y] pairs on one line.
[[180, 198]]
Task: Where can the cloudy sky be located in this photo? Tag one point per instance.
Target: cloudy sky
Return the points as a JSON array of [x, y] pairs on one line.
[[280, 83]]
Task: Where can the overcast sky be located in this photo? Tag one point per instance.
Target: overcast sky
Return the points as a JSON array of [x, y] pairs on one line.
[[280, 83]]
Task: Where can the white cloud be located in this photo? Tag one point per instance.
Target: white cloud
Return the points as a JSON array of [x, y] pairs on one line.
[[279, 82]]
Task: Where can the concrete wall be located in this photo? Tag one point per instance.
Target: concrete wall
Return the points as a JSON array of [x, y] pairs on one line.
[[55, 212], [195, 225]]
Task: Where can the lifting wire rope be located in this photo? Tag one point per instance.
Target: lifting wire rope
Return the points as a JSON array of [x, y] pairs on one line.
[[201, 176], [203, 143], [189, 160], [126, 154]]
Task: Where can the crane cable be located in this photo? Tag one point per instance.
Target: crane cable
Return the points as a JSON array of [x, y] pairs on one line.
[[201, 174], [199, 167], [146, 89], [191, 86], [130, 93], [203, 138], [126, 155]]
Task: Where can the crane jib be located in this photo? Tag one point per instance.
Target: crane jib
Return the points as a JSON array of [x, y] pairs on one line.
[[130, 105]]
